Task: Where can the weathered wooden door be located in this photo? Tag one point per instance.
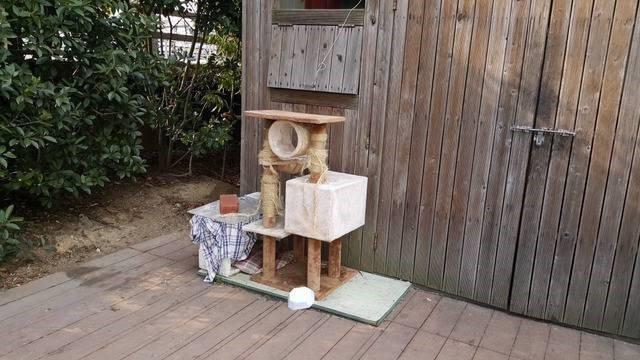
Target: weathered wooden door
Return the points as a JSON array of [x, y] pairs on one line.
[[579, 211]]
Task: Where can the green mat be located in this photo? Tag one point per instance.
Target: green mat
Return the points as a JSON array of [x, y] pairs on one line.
[[367, 298]]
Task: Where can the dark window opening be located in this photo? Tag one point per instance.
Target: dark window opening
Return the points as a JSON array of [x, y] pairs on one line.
[[321, 4]]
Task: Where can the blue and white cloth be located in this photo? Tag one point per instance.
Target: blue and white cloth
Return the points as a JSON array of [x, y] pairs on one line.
[[219, 240]]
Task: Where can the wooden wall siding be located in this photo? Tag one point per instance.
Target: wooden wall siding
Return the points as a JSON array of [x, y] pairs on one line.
[[456, 200], [297, 51]]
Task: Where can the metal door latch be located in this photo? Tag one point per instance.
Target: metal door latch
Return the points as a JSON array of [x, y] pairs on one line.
[[539, 136]]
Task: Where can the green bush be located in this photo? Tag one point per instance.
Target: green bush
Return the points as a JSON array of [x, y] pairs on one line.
[[76, 83], [8, 232]]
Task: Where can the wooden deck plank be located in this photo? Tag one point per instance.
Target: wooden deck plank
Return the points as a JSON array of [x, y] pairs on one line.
[[471, 325], [25, 330], [91, 341], [390, 343], [531, 342], [177, 316], [256, 335], [53, 280], [177, 336], [351, 342], [444, 317], [38, 303], [625, 351], [564, 344], [417, 309], [223, 331], [594, 347], [501, 332], [103, 318], [456, 350], [277, 346], [145, 246], [322, 340], [424, 345]]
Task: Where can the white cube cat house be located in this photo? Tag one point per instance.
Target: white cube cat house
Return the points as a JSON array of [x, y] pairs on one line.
[[325, 211]]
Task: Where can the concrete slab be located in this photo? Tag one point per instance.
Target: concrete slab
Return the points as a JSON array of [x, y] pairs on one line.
[[367, 298]]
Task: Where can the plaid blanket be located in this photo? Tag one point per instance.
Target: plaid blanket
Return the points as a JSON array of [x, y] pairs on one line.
[[220, 240]]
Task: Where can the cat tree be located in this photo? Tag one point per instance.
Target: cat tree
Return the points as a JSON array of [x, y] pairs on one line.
[[320, 207]]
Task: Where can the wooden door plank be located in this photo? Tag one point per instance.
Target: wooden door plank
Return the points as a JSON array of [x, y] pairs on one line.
[[338, 55], [605, 237], [500, 157], [407, 96], [327, 34], [619, 186], [299, 56], [464, 161], [559, 163], [351, 78], [581, 151], [446, 31], [274, 58], [517, 171], [528, 252], [390, 119], [519, 152], [286, 57], [630, 232], [312, 60], [421, 98], [443, 249], [370, 132], [473, 249]]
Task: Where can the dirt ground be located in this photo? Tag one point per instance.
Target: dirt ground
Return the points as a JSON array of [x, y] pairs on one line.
[[119, 215]]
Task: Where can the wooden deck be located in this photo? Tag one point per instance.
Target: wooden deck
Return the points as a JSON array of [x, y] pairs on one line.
[[145, 302]]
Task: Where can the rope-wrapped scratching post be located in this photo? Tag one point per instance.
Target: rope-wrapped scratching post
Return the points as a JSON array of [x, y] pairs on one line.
[[318, 153]]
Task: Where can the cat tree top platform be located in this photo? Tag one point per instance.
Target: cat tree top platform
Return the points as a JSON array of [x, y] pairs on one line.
[[294, 116]]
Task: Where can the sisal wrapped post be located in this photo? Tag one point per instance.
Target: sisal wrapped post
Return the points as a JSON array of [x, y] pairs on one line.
[[318, 153], [269, 184]]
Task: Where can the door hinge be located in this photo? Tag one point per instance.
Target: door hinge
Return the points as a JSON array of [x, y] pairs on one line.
[[395, 5], [539, 134], [375, 241]]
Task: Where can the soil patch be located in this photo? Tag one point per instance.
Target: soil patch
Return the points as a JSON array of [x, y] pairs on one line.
[[120, 215]]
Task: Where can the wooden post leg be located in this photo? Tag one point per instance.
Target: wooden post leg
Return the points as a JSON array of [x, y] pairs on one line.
[[335, 258], [268, 257], [298, 247], [313, 264]]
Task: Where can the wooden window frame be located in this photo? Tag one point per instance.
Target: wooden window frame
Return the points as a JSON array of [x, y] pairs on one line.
[[335, 17]]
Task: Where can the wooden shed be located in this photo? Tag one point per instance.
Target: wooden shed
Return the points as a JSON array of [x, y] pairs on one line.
[[500, 139]]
